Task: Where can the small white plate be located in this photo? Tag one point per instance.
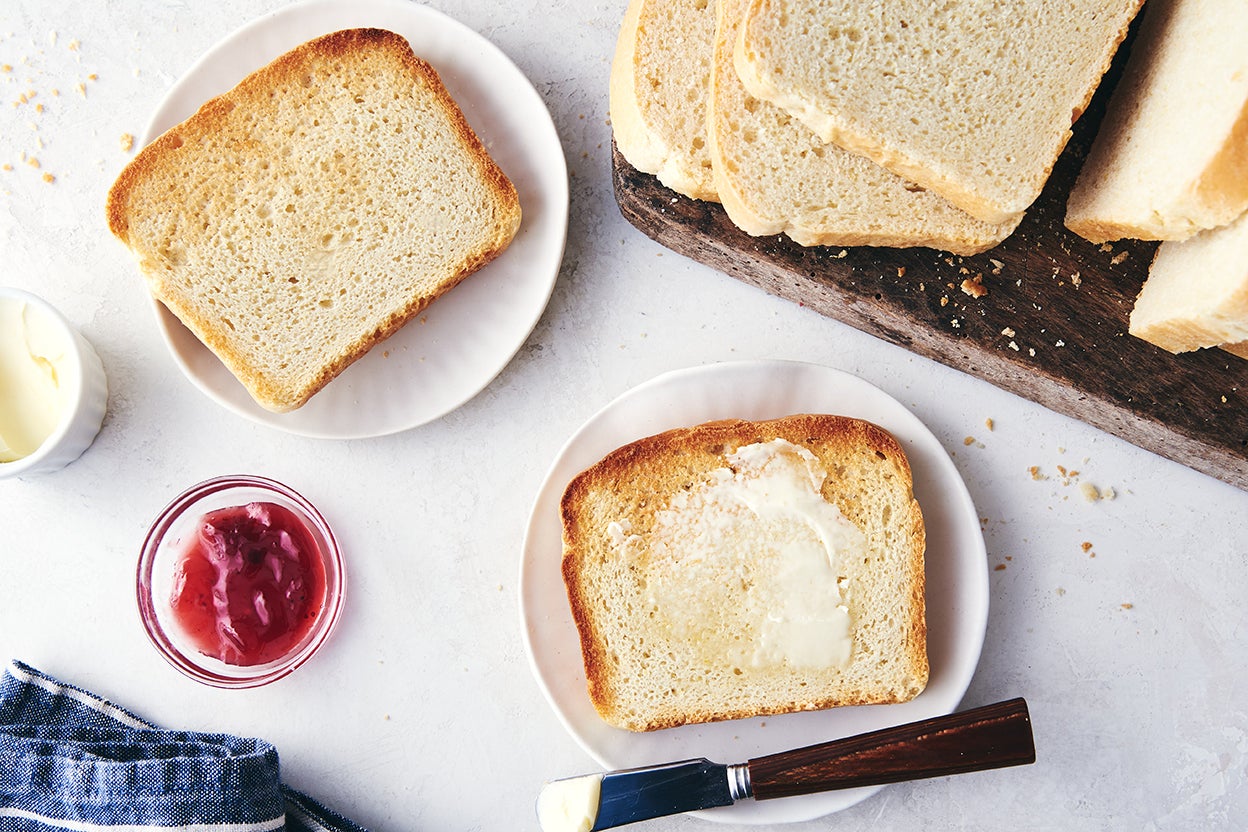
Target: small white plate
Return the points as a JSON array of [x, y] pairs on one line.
[[957, 575], [460, 343]]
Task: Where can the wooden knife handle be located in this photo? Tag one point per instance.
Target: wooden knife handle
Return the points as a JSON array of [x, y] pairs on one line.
[[994, 736]]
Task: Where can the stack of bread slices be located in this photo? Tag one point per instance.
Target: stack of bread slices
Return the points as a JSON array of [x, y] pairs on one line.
[[1170, 163], [907, 123]]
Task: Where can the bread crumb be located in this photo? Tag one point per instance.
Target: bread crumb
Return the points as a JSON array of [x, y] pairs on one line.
[[998, 567], [997, 266], [944, 300], [1128, 606], [93, 77], [1086, 545], [955, 323], [1109, 493], [49, 178], [964, 270], [988, 423], [1060, 343], [6, 166], [1014, 346], [6, 67], [1076, 279], [974, 286], [1008, 332], [1031, 351], [1119, 258], [127, 142], [1060, 592], [1035, 473], [82, 89], [1090, 492], [970, 440], [1106, 247], [843, 253], [32, 161], [901, 271]]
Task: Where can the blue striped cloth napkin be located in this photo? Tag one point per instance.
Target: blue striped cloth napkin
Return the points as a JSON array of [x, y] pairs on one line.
[[70, 760]]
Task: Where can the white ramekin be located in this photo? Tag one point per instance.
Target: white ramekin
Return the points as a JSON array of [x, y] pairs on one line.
[[81, 419]]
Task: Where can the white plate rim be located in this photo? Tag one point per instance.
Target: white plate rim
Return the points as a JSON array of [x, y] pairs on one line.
[[414, 22], [968, 610]]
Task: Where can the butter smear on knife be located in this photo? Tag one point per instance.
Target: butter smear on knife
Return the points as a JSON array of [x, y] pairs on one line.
[[569, 805]]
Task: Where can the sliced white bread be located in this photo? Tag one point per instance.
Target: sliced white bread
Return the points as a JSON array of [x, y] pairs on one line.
[[302, 217], [658, 92], [972, 100], [737, 568], [1196, 294], [1171, 156], [774, 175], [1240, 349]]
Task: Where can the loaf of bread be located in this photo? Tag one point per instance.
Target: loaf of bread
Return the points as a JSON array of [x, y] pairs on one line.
[[1196, 294], [774, 175], [1171, 156], [737, 568], [304, 216], [972, 100], [658, 92]]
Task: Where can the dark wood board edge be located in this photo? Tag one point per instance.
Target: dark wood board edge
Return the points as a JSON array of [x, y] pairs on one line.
[[1052, 327]]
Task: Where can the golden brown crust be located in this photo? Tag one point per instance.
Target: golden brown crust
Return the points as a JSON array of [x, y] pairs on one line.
[[163, 160], [654, 467]]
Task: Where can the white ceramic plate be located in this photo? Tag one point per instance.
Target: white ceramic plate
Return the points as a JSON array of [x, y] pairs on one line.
[[456, 347], [957, 575]]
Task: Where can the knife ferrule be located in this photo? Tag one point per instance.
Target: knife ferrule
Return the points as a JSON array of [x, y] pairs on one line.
[[739, 781]]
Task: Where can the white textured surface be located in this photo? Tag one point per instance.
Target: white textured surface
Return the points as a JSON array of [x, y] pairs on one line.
[[421, 712]]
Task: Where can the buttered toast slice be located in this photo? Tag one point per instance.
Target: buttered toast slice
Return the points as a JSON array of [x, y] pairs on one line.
[[304, 216], [736, 568]]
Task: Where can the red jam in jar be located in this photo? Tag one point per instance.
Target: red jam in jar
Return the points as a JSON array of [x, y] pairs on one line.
[[249, 585]]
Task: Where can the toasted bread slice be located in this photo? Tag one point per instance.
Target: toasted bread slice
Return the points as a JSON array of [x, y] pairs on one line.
[[774, 175], [307, 214], [738, 568], [971, 100]]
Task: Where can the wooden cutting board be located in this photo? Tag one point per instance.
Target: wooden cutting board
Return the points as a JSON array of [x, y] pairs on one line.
[[1051, 328]]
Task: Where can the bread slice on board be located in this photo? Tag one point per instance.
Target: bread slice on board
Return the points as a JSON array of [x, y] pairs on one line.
[[1238, 349], [1171, 156], [737, 568], [774, 175], [1196, 294], [304, 216], [658, 92], [973, 100]]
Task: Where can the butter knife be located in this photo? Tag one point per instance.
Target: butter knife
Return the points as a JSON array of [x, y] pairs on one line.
[[992, 736]]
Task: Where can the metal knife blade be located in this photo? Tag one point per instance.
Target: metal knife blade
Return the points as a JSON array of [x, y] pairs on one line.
[[603, 801], [992, 736]]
